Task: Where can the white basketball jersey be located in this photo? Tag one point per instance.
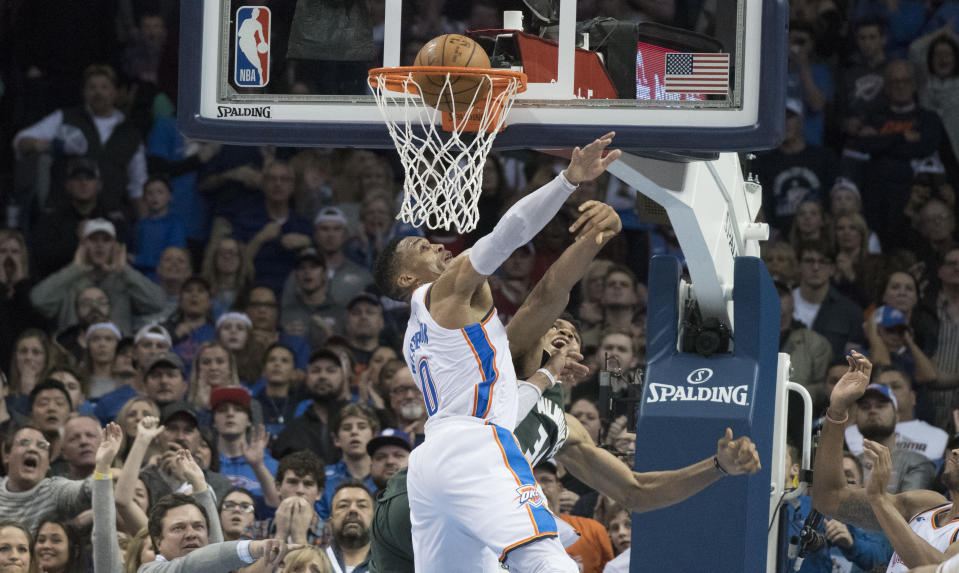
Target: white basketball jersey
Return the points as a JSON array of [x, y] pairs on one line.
[[463, 372], [924, 524]]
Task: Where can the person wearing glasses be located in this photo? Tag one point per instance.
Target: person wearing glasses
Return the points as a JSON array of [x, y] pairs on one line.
[[818, 304], [26, 495], [237, 514]]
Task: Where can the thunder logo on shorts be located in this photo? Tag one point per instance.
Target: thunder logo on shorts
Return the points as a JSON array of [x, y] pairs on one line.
[[529, 494], [251, 68]]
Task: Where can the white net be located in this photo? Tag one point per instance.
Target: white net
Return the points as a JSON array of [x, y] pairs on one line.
[[443, 165]]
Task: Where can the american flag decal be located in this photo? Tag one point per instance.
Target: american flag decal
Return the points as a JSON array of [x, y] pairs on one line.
[[697, 73]]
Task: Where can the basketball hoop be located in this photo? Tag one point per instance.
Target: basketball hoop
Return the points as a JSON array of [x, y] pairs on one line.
[[444, 167]]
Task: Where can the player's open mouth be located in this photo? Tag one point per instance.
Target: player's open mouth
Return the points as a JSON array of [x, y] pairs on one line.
[[31, 462], [559, 342], [447, 256]]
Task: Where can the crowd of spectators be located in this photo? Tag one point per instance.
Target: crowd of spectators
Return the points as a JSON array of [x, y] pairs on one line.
[[219, 299]]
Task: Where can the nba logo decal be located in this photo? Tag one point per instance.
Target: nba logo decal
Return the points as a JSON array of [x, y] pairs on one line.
[[252, 63]]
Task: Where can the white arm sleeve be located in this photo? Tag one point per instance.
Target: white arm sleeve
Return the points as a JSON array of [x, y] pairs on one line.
[[526, 399], [519, 225]]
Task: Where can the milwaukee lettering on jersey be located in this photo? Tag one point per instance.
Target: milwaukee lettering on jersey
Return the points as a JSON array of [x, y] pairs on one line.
[[721, 394]]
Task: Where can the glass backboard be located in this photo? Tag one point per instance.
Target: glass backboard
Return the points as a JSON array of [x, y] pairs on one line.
[[671, 76]]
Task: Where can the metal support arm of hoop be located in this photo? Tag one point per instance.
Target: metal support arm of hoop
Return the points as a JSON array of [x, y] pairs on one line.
[[443, 165], [712, 209]]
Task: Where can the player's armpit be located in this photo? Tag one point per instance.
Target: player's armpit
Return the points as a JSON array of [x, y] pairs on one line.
[[853, 508], [460, 296]]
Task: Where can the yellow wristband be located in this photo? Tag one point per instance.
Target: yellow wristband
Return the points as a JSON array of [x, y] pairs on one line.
[[98, 475]]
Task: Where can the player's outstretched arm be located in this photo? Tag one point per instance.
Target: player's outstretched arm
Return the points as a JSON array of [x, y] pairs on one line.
[[596, 225], [912, 549], [831, 495], [522, 222], [647, 491]]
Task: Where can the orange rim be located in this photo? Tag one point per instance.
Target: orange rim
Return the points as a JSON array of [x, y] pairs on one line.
[[399, 79]]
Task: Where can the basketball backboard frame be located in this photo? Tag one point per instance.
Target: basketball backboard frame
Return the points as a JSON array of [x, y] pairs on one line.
[[354, 121]]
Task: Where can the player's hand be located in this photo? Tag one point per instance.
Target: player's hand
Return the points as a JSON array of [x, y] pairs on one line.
[[149, 428], [737, 456], [877, 455], [565, 364], [851, 386], [596, 218], [255, 447], [588, 163], [110, 439], [838, 534]]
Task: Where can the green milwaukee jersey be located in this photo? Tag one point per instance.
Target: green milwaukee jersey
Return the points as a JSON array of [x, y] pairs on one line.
[[540, 435]]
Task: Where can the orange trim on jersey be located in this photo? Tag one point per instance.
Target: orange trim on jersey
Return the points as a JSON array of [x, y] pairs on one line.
[[532, 519], [530, 539], [954, 536], [492, 386], [479, 364], [928, 510], [936, 514]]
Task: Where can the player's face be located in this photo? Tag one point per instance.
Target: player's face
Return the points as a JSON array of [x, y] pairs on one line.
[[354, 433], [183, 531], [560, 335], [422, 259], [293, 485]]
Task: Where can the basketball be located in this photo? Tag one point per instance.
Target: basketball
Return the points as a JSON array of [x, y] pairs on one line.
[[263, 47], [451, 50]]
